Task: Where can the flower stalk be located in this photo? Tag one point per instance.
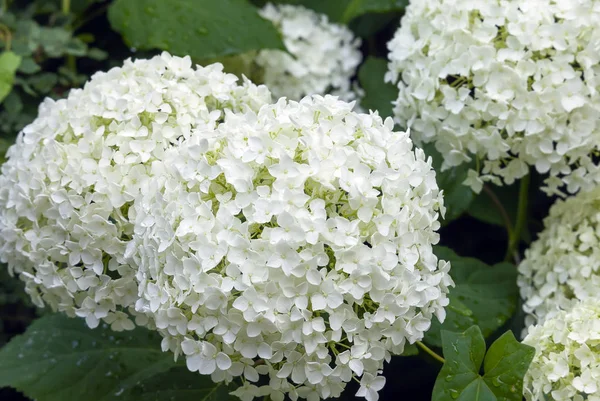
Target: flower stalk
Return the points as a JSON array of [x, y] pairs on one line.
[[522, 207], [431, 352]]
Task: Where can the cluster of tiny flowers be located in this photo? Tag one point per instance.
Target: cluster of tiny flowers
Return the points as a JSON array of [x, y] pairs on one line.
[[509, 83], [566, 366], [562, 267], [322, 57], [72, 176], [293, 244]]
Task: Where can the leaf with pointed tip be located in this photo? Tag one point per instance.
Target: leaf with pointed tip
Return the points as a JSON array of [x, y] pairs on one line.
[[505, 365]]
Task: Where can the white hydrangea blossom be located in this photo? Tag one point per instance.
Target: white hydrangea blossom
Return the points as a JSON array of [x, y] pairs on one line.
[[293, 243], [566, 366], [322, 56], [562, 266], [509, 83], [73, 173]]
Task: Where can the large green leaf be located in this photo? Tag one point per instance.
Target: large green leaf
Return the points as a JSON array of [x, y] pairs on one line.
[[370, 24], [504, 367], [457, 196], [179, 384], [345, 11], [360, 7], [9, 63], [203, 29], [60, 359], [484, 295], [378, 94]]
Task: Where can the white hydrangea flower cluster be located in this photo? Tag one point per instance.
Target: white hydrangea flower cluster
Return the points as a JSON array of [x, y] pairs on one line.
[[562, 267], [510, 83], [70, 180], [293, 244], [322, 56], [566, 366]]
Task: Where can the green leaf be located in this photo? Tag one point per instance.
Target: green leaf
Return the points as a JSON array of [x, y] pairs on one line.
[[28, 66], [378, 94], [179, 384], [457, 196], [13, 103], [44, 82], [345, 11], [506, 362], [76, 47], [360, 7], [370, 24], [9, 62], [97, 54], [60, 359], [54, 41], [486, 296], [504, 367], [202, 29]]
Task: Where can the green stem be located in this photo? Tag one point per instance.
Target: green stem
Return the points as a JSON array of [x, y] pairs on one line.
[[503, 213], [66, 6], [430, 352], [71, 62], [5, 36], [515, 238]]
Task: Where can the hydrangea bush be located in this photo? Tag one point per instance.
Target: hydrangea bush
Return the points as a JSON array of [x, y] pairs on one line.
[[560, 268], [71, 178], [508, 84], [567, 357], [295, 242]]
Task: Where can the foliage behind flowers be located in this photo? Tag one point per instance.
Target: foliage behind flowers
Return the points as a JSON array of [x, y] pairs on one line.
[[228, 245]]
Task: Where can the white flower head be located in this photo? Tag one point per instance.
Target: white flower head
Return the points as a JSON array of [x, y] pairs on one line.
[[67, 188], [566, 365], [293, 243], [322, 56], [508, 83], [562, 267]]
